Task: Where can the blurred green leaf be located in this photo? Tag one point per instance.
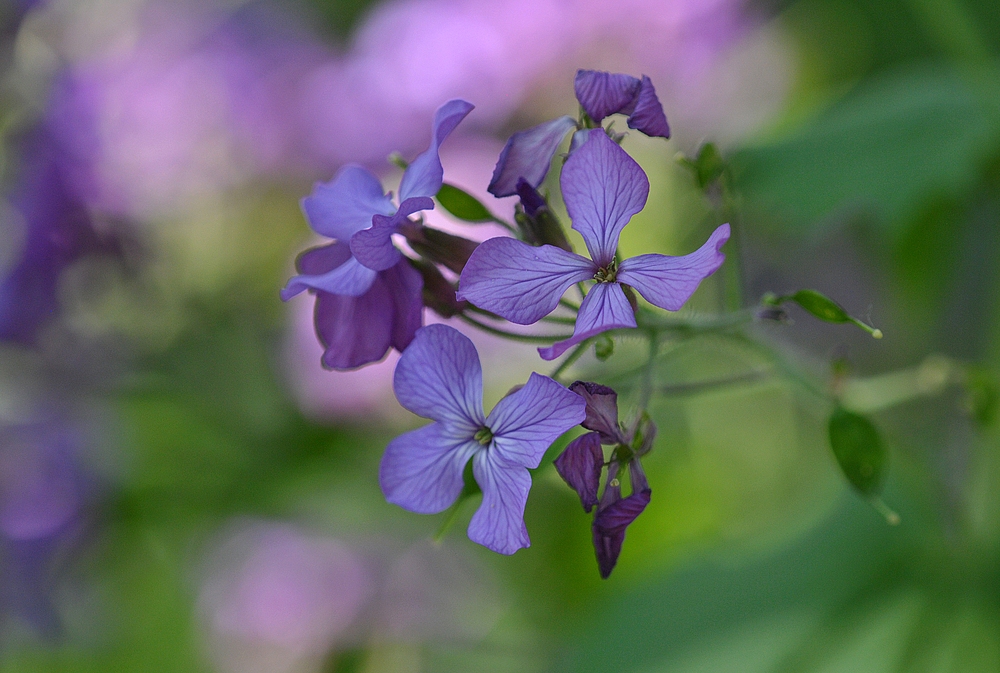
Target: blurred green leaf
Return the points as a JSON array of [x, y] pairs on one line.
[[462, 205], [707, 167], [889, 146], [859, 450]]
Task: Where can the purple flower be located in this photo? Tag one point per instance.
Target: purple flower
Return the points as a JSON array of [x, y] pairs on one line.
[[368, 295], [528, 154], [439, 377], [603, 188], [580, 465]]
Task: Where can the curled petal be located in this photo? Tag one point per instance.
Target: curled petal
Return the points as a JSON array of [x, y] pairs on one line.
[[603, 93], [614, 514], [350, 279], [648, 115], [422, 470], [345, 205], [356, 331], [525, 423], [423, 177], [603, 187], [580, 466], [439, 377], [527, 155], [667, 281], [602, 410], [605, 307], [373, 246], [519, 282], [498, 524]]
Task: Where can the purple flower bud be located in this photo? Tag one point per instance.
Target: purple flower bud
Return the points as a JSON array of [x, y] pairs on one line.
[[602, 411], [580, 466]]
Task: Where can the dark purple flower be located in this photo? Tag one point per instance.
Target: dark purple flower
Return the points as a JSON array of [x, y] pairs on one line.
[[368, 295], [580, 465], [439, 377], [603, 187], [528, 154]]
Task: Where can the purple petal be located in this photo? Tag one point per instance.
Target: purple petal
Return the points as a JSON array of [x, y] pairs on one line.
[[498, 524], [605, 307], [422, 470], [345, 205], [373, 246], [602, 410], [580, 466], [527, 155], [439, 377], [321, 259], [648, 115], [614, 515], [356, 331], [350, 279], [525, 423], [531, 200], [520, 282], [667, 281], [603, 187], [423, 177], [602, 93]]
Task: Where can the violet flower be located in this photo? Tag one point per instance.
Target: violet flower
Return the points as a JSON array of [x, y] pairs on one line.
[[580, 465], [439, 377], [603, 187], [368, 295], [528, 154]]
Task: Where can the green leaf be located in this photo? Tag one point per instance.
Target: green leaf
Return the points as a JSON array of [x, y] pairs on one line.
[[463, 205], [707, 167], [859, 450]]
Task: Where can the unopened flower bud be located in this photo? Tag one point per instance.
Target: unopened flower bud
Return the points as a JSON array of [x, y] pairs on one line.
[[536, 221], [438, 293], [439, 247]]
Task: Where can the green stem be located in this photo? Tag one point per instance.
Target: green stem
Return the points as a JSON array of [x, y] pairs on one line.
[[559, 320], [527, 338], [449, 519], [568, 304], [659, 323], [570, 359], [696, 387], [506, 225]]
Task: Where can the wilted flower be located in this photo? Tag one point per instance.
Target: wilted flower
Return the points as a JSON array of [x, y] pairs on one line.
[[439, 377], [603, 188]]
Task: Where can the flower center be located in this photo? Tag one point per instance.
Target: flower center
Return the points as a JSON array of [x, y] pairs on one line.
[[484, 436], [607, 274]]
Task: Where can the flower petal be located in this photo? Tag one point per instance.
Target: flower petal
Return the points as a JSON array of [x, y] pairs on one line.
[[526, 422], [605, 307], [350, 279], [356, 331], [667, 281], [648, 115], [603, 93], [602, 410], [580, 466], [603, 187], [345, 205], [423, 177], [439, 377], [520, 282], [614, 515], [528, 155], [498, 524], [421, 470], [373, 246]]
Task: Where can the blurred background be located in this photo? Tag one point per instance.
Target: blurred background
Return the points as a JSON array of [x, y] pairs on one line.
[[184, 488]]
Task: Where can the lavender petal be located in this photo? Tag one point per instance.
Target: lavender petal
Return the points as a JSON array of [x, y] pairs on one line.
[[525, 423], [528, 155], [421, 470], [350, 279], [423, 177], [345, 205], [519, 282], [602, 93], [667, 281], [498, 524], [373, 247], [405, 286], [605, 307], [603, 187], [648, 116], [580, 466]]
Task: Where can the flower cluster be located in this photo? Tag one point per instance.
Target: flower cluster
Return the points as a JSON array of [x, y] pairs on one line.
[[370, 295]]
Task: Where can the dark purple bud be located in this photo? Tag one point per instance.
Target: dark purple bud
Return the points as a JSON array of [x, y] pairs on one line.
[[439, 294], [602, 410], [580, 466], [614, 514], [440, 247], [647, 115], [531, 200], [538, 224], [602, 93]]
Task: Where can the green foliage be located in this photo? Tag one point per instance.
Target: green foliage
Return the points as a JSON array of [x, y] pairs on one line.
[[463, 205], [707, 167], [859, 451]]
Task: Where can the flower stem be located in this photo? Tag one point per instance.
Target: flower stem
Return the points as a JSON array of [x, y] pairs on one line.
[[449, 519], [570, 359], [527, 338]]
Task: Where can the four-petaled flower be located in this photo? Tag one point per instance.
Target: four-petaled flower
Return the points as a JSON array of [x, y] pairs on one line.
[[368, 295], [603, 187], [580, 465], [439, 377], [528, 154]]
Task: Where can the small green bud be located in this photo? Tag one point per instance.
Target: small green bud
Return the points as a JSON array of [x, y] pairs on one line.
[[463, 205], [604, 347], [707, 167], [397, 160]]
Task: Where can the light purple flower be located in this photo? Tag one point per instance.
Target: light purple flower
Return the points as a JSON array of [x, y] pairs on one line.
[[603, 188], [528, 154], [368, 295], [439, 377]]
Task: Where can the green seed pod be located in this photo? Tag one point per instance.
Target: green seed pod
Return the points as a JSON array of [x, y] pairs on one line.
[[859, 450]]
